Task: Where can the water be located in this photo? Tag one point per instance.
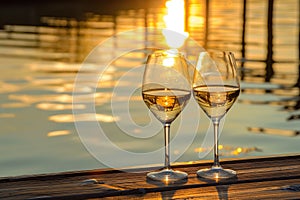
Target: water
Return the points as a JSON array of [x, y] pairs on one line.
[[39, 65]]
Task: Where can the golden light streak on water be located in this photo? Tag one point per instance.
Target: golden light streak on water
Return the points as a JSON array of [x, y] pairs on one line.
[[226, 150], [68, 118], [14, 105], [175, 23], [26, 100], [30, 99], [56, 106], [6, 87], [7, 115], [58, 133]]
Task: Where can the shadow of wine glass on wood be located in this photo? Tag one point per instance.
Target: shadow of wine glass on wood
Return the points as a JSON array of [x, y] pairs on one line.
[[222, 185], [167, 190]]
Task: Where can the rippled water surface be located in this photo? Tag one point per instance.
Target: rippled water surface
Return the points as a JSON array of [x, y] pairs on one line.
[[100, 58]]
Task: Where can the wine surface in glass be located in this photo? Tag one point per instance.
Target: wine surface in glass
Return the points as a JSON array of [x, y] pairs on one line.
[[166, 104], [216, 100]]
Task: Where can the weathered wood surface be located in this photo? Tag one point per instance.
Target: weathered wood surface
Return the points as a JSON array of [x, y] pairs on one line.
[[260, 178]]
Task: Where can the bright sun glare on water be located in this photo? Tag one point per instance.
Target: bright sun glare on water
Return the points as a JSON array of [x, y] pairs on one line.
[[175, 22]]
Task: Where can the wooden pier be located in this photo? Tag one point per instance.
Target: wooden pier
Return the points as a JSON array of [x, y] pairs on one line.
[[258, 178]]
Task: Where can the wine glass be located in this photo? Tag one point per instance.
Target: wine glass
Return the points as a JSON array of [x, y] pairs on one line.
[[166, 90], [216, 87]]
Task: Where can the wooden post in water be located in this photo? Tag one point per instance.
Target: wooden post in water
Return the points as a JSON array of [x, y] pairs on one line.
[[206, 23], [187, 15], [269, 60], [243, 51], [298, 81]]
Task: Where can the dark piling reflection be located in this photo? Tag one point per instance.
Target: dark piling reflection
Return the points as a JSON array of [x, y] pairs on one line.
[[269, 60]]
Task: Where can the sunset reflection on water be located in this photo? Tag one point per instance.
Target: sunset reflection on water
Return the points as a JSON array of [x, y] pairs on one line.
[[39, 65]]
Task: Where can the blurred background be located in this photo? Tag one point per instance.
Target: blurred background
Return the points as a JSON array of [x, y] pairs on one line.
[[44, 43]]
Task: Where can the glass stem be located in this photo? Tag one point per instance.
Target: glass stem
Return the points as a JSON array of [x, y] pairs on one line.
[[216, 143], [167, 145]]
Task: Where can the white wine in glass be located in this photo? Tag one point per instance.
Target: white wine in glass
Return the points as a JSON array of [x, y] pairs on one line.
[[166, 90], [216, 87]]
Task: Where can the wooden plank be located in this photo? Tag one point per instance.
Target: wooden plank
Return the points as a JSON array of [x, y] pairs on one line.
[[263, 177], [262, 190]]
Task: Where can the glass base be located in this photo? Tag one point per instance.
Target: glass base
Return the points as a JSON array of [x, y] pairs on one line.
[[167, 175], [216, 173]]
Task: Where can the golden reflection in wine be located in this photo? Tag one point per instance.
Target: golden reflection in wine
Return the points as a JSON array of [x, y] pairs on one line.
[[168, 62], [175, 22], [166, 104]]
